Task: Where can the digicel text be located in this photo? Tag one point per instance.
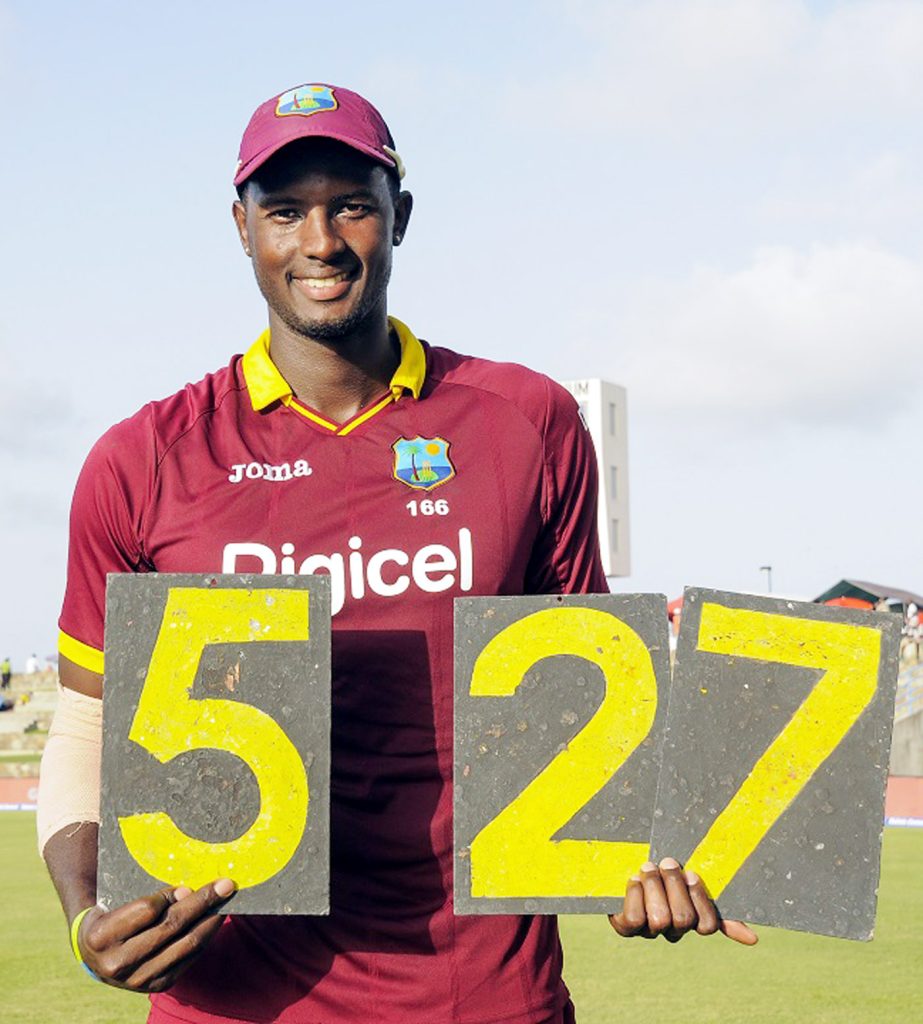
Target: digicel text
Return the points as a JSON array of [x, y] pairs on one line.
[[433, 567]]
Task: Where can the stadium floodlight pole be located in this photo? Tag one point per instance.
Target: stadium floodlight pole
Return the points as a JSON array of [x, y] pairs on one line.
[[768, 570]]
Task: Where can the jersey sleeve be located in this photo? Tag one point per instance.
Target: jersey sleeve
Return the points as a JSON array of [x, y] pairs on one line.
[[565, 559], [105, 534]]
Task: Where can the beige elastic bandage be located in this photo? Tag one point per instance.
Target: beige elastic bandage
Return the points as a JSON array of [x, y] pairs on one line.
[[68, 791]]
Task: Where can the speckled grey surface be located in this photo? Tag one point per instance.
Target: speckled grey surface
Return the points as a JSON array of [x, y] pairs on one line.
[[817, 867], [211, 794], [502, 743]]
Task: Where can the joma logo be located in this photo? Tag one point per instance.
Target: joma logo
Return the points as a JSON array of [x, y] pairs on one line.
[[263, 471]]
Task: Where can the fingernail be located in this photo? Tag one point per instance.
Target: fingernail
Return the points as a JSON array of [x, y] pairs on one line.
[[224, 887], [692, 878], [649, 866], [669, 862], [181, 892], [635, 878]]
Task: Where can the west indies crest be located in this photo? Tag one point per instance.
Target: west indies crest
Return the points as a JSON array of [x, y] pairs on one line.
[[305, 100], [422, 462]]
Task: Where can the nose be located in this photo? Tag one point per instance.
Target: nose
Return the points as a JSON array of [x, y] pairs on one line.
[[319, 238]]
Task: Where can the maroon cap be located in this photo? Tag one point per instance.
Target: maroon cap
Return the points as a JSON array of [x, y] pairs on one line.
[[325, 111]]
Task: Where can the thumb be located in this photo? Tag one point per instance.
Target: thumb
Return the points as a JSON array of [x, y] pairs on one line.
[[739, 932]]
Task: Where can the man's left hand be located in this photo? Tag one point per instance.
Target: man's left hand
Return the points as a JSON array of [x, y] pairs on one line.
[[665, 900]]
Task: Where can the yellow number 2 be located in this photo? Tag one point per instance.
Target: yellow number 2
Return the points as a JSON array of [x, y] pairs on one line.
[[848, 656], [515, 854], [168, 722]]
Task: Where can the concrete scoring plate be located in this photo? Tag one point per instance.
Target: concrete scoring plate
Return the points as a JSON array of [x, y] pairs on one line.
[[502, 743], [211, 794], [817, 867]]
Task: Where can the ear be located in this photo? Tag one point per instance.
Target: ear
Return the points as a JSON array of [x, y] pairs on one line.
[[403, 205], [239, 212]]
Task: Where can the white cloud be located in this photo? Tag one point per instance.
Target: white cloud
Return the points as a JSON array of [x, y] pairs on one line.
[[880, 194], [686, 67], [831, 333]]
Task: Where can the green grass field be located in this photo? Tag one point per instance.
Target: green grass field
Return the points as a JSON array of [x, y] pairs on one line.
[[787, 977]]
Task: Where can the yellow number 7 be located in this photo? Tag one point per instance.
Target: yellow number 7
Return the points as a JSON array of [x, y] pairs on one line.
[[168, 722], [848, 656]]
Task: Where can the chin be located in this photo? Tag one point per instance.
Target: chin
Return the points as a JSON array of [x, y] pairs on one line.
[[328, 329]]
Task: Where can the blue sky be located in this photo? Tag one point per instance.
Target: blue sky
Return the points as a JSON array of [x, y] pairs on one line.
[[716, 203]]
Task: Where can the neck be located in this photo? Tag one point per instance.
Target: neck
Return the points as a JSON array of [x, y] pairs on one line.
[[336, 377]]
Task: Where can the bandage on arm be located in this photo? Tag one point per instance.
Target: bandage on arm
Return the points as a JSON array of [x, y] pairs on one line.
[[69, 780]]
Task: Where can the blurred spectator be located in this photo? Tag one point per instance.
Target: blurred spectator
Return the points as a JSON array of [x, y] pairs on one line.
[[6, 673], [912, 639], [32, 665]]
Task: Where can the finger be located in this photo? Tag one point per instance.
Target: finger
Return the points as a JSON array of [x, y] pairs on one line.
[[161, 970], [739, 932], [707, 923], [119, 961], [179, 919], [656, 904], [682, 910], [631, 920], [100, 931]]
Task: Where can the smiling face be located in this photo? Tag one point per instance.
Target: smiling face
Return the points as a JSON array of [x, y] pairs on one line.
[[319, 221]]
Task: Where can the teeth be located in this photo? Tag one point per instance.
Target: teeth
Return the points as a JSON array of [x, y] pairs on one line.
[[324, 282]]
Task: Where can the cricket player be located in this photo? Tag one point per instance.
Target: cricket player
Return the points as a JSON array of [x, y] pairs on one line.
[[411, 474]]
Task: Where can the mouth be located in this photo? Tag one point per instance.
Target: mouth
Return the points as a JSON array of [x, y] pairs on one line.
[[324, 288], [322, 283]]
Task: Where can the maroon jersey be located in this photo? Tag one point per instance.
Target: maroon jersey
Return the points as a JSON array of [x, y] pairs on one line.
[[467, 477]]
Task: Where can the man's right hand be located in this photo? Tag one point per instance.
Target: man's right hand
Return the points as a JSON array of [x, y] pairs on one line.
[[146, 945]]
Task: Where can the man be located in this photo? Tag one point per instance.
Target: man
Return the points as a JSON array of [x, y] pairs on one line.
[[302, 456]]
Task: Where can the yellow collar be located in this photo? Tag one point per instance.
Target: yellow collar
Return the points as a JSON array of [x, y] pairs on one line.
[[266, 385]]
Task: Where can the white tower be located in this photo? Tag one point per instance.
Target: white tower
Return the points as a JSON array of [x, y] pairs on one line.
[[605, 411]]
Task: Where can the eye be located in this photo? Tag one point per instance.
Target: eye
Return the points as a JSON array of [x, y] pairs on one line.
[[284, 215], [354, 209]]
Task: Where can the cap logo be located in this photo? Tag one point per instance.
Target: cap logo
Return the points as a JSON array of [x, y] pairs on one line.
[[306, 100]]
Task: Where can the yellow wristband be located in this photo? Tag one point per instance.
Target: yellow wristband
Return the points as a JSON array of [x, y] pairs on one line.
[[75, 947]]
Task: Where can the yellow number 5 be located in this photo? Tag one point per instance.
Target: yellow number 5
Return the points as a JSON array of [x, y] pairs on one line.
[[169, 722]]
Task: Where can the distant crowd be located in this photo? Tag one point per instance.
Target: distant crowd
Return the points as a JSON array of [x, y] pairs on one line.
[[33, 666], [912, 635]]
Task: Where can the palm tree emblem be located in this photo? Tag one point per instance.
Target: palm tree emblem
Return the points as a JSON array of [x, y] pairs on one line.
[[422, 462]]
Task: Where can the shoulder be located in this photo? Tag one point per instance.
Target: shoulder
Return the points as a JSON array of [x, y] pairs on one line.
[[156, 427], [541, 400]]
